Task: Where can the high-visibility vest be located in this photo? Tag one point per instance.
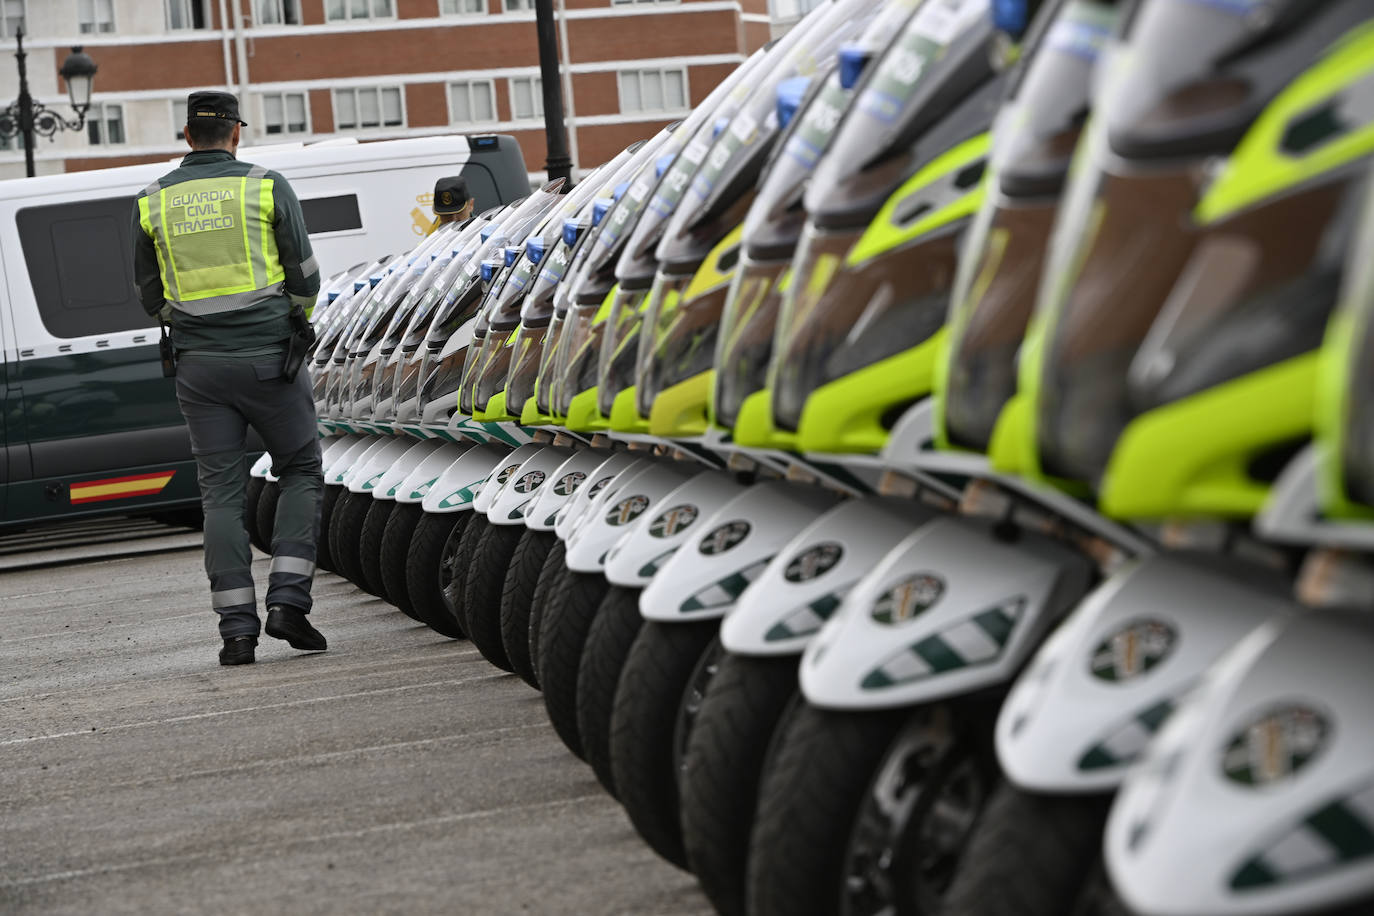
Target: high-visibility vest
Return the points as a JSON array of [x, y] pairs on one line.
[[215, 245]]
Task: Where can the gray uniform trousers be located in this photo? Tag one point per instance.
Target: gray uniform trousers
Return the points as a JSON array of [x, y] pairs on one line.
[[220, 398]]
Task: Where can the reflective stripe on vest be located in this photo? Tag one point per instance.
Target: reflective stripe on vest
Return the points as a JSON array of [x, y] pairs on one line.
[[215, 247]]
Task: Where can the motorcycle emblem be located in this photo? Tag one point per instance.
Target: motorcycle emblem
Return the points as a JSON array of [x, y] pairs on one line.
[[627, 510], [505, 474], [1275, 745], [673, 521], [598, 487], [531, 481], [568, 483], [907, 598], [812, 562], [724, 538], [1133, 650]]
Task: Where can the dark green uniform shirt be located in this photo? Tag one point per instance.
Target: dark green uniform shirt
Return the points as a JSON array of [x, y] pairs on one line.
[[248, 332]]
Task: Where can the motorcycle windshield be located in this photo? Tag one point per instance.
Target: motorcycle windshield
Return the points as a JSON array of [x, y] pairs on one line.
[[1357, 447], [746, 337], [1129, 252], [527, 348], [940, 57], [575, 369], [619, 346], [1002, 264], [493, 367], [544, 380]]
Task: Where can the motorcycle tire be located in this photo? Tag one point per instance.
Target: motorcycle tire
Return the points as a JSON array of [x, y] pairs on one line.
[[329, 498], [400, 528], [487, 570], [252, 494], [345, 534], [427, 562], [517, 594], [572, 605], [612, 633], [370, 547], [550, 576]]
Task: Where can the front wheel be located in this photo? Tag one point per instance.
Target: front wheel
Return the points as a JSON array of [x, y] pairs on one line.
[[517, 598], [435, 538], [266, 509], [329, 497], [400, 528], [345, 533], [252, 494], [370, 547], [572, 605], [487, 570], [612, 633]]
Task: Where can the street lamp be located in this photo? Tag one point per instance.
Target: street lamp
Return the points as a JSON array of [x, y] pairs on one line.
[[26, 118]]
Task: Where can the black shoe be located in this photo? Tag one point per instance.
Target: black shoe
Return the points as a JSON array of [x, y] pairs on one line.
[[238, 650], [284, 622]]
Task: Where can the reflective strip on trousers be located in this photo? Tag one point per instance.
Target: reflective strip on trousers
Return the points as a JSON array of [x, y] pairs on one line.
[[294, 565], [233, 597]]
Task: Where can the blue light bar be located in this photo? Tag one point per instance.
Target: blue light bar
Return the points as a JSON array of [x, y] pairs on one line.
[[488, 270], [720, 125], [663, 163], [535, 246], [511, 256], [1010, 16], [853, 59], [487, 230], [620, 190], [790, 94], [332, 297], [599, 208], [571, 231]]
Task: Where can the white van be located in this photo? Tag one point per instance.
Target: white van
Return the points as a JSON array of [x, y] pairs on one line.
[[88, 425]]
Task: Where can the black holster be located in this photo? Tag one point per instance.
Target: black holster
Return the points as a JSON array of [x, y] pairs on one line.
[[298, 345], [167, 352]]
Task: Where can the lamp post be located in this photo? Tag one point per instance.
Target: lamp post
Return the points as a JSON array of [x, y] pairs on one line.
[[27, 118], [558, 163]]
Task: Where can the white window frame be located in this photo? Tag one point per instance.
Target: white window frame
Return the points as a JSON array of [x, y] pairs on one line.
[[9, 26], [637, 73], [178, 107], [97, 25], [641, 2], [461, 13], [537, 93], [451, 87], [521, 6], [95, 115], [350, 16], [188, 7], [355, 90], [305, 97], [281, 7]]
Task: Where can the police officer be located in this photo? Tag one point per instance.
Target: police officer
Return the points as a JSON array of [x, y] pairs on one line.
[[452, 201], [221, 253]]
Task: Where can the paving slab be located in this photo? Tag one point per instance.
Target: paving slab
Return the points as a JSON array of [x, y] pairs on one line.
[[398, 772]]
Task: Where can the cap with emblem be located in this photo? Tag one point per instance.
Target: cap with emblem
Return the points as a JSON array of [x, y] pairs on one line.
[[450, 195], [208, 104]]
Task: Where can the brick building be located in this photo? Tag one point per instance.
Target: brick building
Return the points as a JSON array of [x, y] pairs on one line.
[[308, 69]]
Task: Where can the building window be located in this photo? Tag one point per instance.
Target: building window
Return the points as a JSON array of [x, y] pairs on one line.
[[179, 118], [653, 90], [519, 6], [95, 15], [277, 12], [186, 14], [11, 17], [526, 97], [105, 123], [463, 7], [284, 113], [471, 102], [9, 144], [355, 108], [342, 10]]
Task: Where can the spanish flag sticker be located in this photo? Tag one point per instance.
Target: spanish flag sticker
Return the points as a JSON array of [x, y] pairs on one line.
[[93, 491]]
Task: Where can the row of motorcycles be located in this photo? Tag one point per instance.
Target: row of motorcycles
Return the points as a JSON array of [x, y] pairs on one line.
[[934, 477]]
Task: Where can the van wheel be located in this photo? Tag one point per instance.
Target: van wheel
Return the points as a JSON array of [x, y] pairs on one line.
[[346, 530], [568, 615], [612, 633], [400, 528], [517, 593], [491, 559], [721, 768], [457, 561], [918, 814], [251, 494], [370, 546], [1033, 849], [665, 662], [425, 569], [266, 510], [550, 575], [814, 781], [329, 498]]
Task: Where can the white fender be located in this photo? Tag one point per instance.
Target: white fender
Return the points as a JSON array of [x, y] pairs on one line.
[[460, 482], [529, 479], [627, 498], [951, 609], [262, 467], [342, 470], [461, 427], [1258, 795], [425, 475], [369, 472], [1105, 681], [729, 550], [808, 579], [330, 458], [403, 466], [595, 486], [655, 536], [561, 487], [503, 475]]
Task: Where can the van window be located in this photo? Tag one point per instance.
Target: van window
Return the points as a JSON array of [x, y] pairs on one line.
[[80, 261], [331, 214]]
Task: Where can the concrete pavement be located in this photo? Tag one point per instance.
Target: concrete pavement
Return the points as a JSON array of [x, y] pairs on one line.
[[397, 773]]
